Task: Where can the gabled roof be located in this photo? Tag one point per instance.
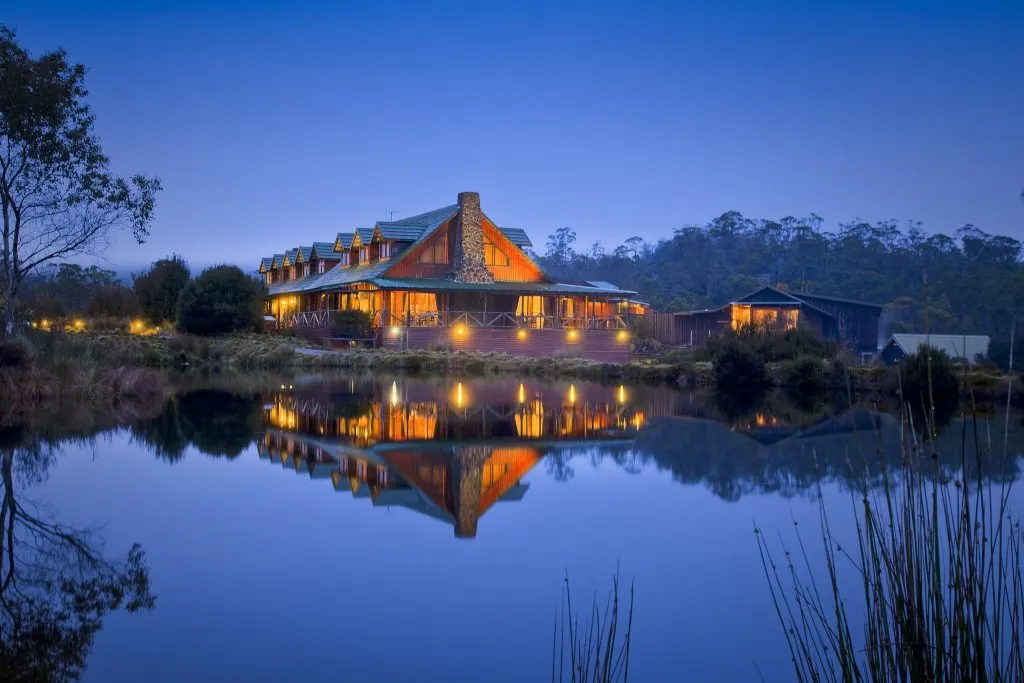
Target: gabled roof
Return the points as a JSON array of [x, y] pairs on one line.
[[304, 252], [838, 300], [265, 263], [278, 260], [403, 232], [441, 284], [517, 236], [769, 295], [324, 249], [365, 235], [965, 346], [289, 256], [343, 240]]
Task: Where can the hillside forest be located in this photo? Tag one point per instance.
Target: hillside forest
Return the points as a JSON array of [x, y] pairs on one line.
[[971, 282]]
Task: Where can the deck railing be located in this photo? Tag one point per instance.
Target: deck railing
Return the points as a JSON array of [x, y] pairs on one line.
[[487, 319]]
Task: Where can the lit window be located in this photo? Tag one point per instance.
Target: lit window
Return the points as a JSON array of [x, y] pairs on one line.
[[364, 254], [344, 259], [493, 256], [436, 252]]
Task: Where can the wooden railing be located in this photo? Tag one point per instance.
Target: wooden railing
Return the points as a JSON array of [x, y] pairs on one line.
[[307, 319]]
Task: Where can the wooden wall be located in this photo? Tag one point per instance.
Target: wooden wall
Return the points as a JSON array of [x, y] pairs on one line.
[[520, 268], [662, 327]]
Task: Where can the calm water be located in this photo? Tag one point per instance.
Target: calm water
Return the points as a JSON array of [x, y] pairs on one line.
[[415, 530]]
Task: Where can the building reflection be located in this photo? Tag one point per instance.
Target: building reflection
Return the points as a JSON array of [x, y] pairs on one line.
[[447, 450]]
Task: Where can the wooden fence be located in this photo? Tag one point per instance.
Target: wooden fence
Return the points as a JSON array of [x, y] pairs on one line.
[[659, 326]]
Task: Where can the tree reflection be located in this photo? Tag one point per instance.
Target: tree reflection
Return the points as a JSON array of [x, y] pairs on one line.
[[216, 423], [56, 586]]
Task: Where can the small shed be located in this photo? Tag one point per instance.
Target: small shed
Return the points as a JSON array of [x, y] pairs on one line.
[[967, 347]]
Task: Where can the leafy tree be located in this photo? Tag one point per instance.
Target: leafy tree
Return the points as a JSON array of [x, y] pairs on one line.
[[560, 247], [58, 197], [222, 299], [352, 324], [159, 287], [929, 386], [114, 301]]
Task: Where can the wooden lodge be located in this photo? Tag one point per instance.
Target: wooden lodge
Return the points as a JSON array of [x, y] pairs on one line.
[[852, 322], [449, 277]]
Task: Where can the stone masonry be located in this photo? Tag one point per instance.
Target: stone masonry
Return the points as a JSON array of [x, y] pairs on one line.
[[469, 263], [467, 476]]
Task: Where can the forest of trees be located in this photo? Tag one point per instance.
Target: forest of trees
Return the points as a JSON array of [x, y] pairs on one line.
[[971, 282]]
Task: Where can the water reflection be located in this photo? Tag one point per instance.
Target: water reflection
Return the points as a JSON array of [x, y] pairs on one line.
[[56, 585], [448, 450]]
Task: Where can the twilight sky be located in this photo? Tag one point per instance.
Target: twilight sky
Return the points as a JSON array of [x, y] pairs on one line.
[[272, 124]]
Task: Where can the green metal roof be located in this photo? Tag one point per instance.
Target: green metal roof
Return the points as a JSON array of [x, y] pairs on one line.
[[517, 236], [365, 234], [324, 250], [265, 263], [290, 255], [345, 238], [403, 232], [440, 284], [338, 276], [305, 251], [278, 260]]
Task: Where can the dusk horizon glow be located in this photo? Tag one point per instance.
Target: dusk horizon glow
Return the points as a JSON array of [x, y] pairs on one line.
[[272, 127]]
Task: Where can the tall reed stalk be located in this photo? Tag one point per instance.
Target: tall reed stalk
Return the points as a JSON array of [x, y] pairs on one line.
[[938, 562], [596, 651]]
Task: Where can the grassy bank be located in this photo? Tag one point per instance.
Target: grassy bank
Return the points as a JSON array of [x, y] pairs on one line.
[[91, 364]]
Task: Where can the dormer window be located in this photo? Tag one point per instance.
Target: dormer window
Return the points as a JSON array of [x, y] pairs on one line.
[[385, 250], [364, 254], [321, 267], [344, 259]]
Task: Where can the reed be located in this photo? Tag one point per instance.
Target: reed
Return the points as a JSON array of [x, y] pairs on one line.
[[597, 650], [939, 594]]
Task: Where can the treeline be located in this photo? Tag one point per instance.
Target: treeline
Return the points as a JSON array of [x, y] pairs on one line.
[[971, 282], [165, 295]]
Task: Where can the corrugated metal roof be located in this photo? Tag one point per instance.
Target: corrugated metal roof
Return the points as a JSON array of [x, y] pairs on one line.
[[517, 236], [967, 347], [305, 251], [430, 219], [289, 256], [265, 263], [335, 277], [365, 235], [837, 299], [278, 260]]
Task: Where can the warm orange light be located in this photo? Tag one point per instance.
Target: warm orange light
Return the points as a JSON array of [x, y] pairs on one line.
[[396, 330], [458, 395], [522, 393], [621, 394], [521, 334], [573, 334], [623, 336], [572, 394], [79, 324], [460, 330], [394, 394]]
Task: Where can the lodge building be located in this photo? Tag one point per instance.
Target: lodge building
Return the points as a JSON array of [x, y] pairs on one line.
[[449, 277]]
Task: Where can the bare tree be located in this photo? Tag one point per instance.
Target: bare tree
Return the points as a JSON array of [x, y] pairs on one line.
[[58, 198]]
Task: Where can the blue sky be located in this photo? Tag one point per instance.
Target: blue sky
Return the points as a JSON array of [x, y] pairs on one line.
[[274, 124]]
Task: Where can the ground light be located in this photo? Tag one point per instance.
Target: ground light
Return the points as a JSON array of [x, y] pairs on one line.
[[396, 331], [521, 334], [573, 335], [623, 335], [621, 394]]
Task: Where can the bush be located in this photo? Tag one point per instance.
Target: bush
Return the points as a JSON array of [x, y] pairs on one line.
[[222, 299], [929, 384], [770, 345], [15, 353], [113, 301], [646, 346], [737, 367], [352, 324], [159, 288], [806, 376]]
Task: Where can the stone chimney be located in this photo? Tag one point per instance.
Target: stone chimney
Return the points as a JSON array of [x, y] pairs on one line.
[[468, 239], [467, 476]]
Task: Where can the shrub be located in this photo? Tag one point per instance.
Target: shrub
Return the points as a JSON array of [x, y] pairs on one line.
[[15, 353], [770, 345], [352, 324], [737, 367], [646, 346], [929, 385], [222, 299], [159, 288], [113, 301], [806, 376]]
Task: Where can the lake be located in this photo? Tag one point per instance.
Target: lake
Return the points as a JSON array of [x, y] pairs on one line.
[[401, 529]]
